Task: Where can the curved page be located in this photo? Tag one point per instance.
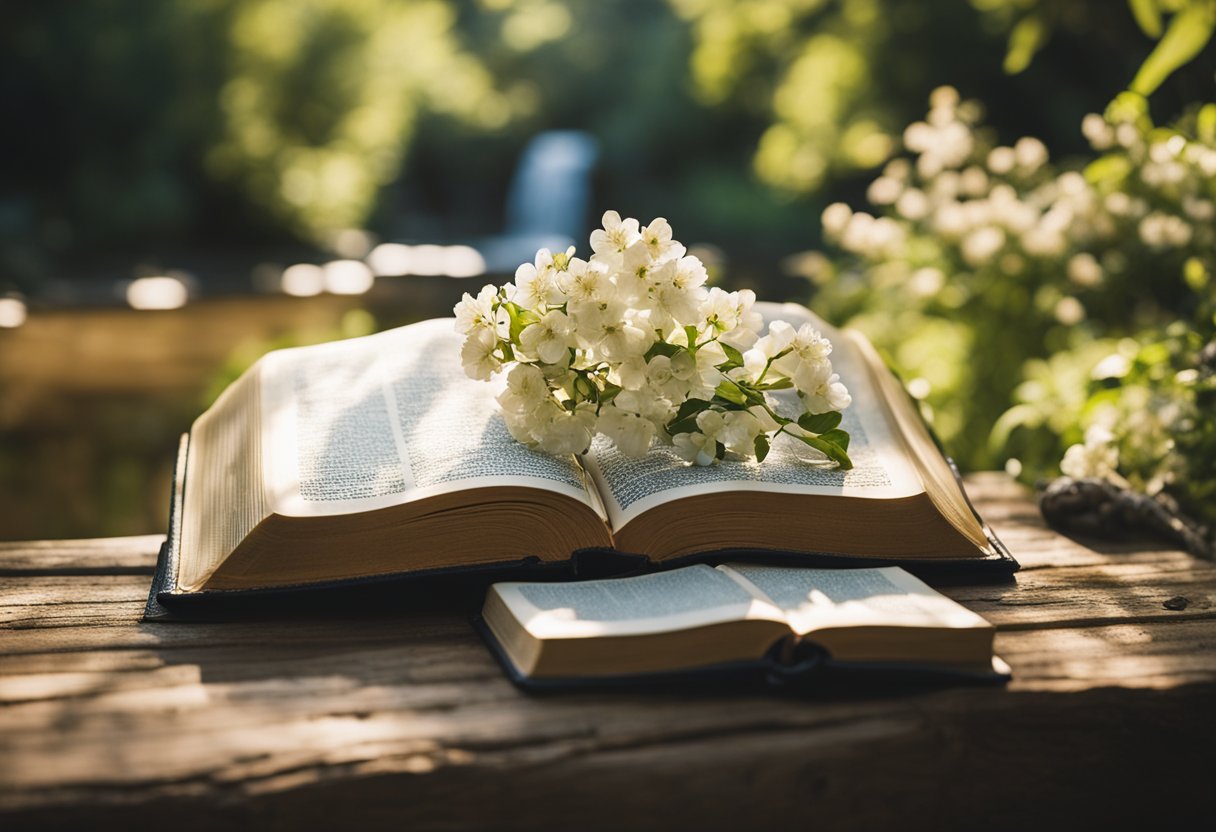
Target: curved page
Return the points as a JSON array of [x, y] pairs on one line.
[[387, 419], [881, 469]]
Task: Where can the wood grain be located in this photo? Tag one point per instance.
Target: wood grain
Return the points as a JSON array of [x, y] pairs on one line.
[[390, 713]]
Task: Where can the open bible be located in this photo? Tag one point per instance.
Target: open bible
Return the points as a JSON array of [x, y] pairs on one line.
[[377, 457], [737, 618]]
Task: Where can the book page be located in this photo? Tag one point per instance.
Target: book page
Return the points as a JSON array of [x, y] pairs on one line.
[[880, 470], [661, 602], [372, 422], [814, 598]]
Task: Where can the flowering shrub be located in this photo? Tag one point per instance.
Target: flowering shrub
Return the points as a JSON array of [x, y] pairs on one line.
[[1036, 308], [632, 345]]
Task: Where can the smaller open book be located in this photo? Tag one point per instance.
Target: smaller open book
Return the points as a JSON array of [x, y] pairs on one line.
[[773, 622]]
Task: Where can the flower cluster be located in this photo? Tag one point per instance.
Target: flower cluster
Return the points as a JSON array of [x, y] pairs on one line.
[[963, 205], [631, 344], [977, 257]]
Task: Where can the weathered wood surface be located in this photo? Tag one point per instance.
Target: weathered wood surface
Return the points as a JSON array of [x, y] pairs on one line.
[[392, 714]]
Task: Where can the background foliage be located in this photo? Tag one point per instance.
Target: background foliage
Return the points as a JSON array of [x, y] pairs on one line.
[[1067, 289]]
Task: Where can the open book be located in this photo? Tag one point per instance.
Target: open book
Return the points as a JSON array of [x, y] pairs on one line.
[[377, 456], [735, 617]]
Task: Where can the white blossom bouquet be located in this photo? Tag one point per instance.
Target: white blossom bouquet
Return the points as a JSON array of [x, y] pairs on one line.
[[632, 345]]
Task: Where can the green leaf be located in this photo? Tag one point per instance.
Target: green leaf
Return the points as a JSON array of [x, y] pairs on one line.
[[516, 322], [1026, 39], [1188, 33], [1111, 169], [762, 447], [662, 348], [1195, 274], [690, 407], [1205, 123], [1148, 16], [1127, 106], [819, 422], [833, 451], [779, 384], [675, 426], [734, 358], [731, 392], [837, 436], [610, 392], [690, 332]]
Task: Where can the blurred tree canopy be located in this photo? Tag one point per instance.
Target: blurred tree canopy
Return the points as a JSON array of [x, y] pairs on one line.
[[146, 118], [145, 121], [1060, 288]]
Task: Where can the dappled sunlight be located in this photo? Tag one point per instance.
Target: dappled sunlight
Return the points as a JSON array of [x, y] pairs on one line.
[[13, 313], [162, 292]]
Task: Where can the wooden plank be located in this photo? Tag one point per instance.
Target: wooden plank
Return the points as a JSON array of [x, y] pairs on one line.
[[390, 712], [102, 556], [1011, 510], [208, 735], [1118, 592]]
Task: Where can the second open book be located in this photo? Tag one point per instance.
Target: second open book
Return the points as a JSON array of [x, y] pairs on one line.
[[377, 456], [734, 618]]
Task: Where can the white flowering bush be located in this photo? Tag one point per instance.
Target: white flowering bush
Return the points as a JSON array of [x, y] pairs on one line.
[[632, 345], [977, 257], [1050, 317]]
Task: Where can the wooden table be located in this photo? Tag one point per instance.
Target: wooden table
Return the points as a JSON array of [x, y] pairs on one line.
[[395, 716]]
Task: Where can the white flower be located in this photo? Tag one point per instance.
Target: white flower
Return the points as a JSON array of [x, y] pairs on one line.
[[1030, 154], [912, 204], [1098, 458], [711, 423], [527, 389], [477, 355], [884, 191], [566, 432], [657, 238], [624, 340], [981, 245], [695, 447], [616, 236], [739, 431], [647, 402], [706, 376], [661, 374], [583, 282], [1084, 270], [621, 344], [756, 360], [806, 363], [673, 300], [835, 219], [830, 394], [690, 274], [537, 283], [549, 338], [479, 313], [1097, 131], [632, 434], [630, 374], [749, 321], [1002, 160]]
